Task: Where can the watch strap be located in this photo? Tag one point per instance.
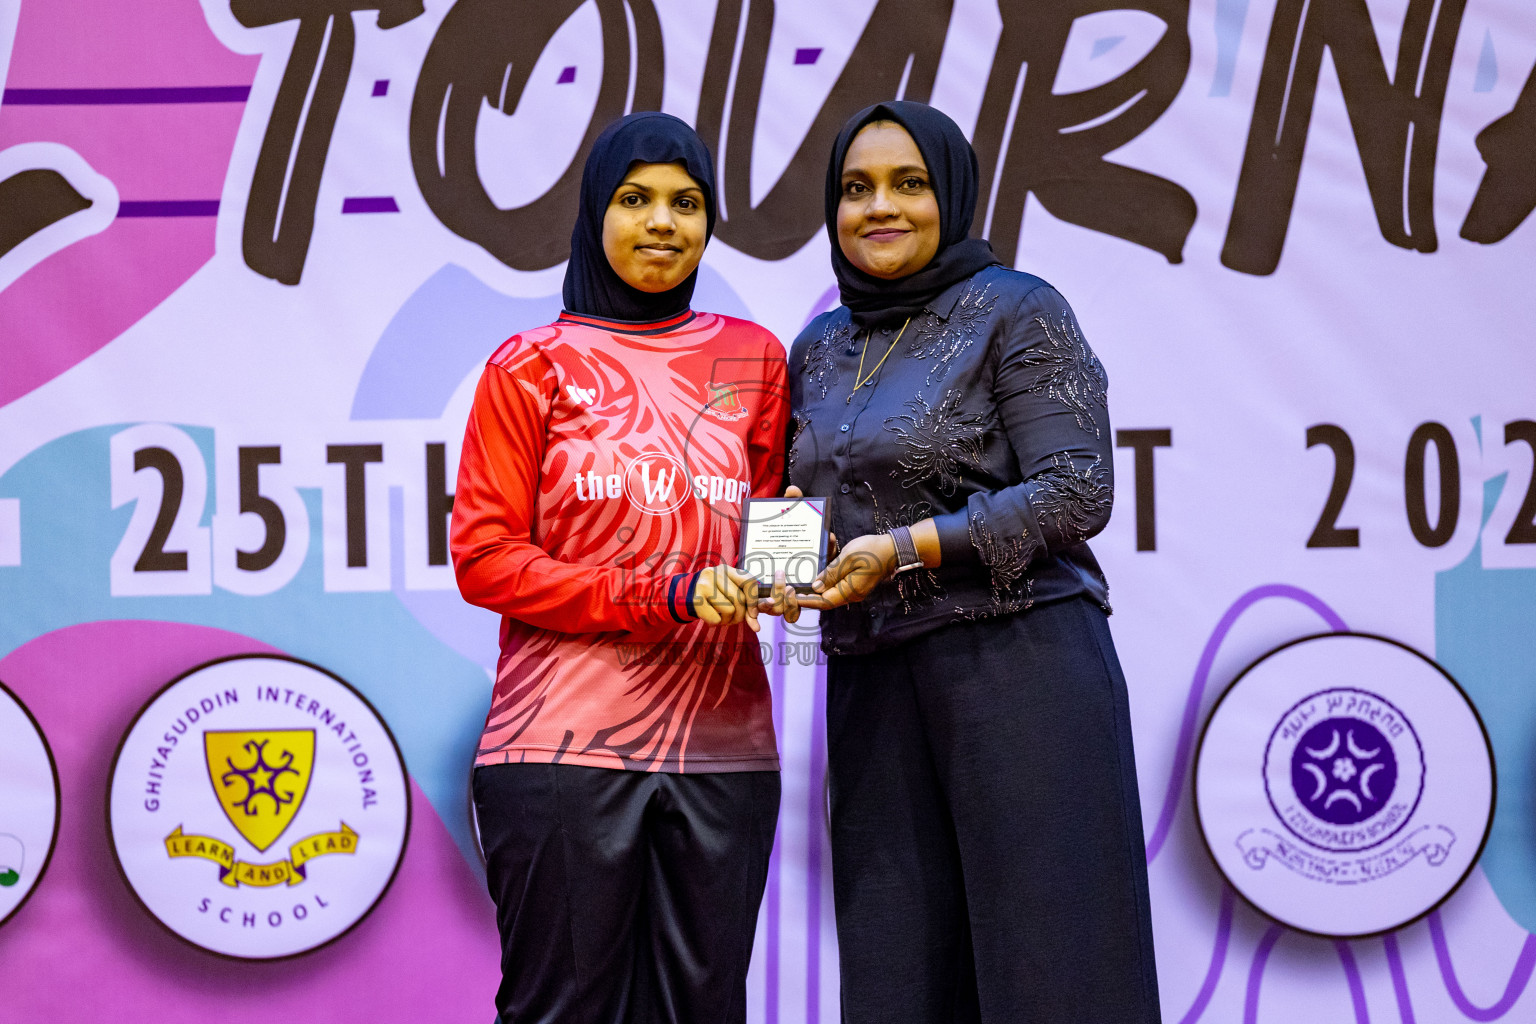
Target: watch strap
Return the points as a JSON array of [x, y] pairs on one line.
[[906, 550]]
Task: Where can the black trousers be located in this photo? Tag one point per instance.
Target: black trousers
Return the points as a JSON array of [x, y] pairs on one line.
[[987, 852], [624, 897]]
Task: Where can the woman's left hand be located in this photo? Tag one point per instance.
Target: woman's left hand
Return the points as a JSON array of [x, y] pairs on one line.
[[854, 573]]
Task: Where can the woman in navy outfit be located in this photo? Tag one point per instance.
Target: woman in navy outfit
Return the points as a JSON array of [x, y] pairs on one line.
[[988, 860]]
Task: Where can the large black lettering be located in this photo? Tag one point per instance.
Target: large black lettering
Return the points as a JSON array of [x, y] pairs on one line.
[[897, 56], [1396, 121], [33, 200], [1507, 194], [154, 557], [439, 503], [280, 211], [355, 457], [252, 500], [1328, 533], [1144, 443], [484, 52], [1029, 140]]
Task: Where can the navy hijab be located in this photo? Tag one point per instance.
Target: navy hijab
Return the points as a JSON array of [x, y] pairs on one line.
[[952, 169], [591, 285]]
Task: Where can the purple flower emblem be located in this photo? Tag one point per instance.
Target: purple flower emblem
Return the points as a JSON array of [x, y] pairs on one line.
[[1343, 770]]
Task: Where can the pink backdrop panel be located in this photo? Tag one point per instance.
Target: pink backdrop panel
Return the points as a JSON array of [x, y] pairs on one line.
[[82, 943]]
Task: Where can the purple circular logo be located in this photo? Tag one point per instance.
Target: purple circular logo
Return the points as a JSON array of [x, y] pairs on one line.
[[1343, 770]]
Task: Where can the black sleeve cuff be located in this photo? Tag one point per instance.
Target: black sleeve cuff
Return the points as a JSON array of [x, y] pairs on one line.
[[954, 529], [680, 596]]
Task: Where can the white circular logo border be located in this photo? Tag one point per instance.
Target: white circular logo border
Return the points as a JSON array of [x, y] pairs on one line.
[[684, 482], [405, 837], [1200, 747], [58, 803]]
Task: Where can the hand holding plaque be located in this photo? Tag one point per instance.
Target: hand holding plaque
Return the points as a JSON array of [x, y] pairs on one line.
[[784, 534]]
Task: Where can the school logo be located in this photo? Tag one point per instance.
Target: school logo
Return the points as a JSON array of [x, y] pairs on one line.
[[29, 803], [725, 403], [260, 778], [1373, 794], [1344, 770], [258, 807]]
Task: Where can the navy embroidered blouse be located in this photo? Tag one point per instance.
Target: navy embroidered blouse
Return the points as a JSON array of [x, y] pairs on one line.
[[990, 416]]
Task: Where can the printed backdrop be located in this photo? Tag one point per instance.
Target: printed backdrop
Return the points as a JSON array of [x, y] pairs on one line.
[[254, 253]]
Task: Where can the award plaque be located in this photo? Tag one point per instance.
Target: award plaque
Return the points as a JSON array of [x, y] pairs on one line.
[[788, 534]]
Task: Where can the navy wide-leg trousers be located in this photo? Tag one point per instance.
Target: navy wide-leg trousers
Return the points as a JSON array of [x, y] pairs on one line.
[[987, 850]]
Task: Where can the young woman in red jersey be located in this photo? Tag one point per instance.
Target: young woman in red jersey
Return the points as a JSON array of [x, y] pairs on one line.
[[627, 782]]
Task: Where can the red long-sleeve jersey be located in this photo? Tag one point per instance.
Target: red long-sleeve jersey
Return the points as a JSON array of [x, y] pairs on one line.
[[603, 465]]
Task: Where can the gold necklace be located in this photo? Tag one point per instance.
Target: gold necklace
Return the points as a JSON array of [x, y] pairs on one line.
[[859, 380]]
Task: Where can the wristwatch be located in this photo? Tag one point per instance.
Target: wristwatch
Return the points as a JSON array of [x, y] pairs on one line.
[[906, 550]]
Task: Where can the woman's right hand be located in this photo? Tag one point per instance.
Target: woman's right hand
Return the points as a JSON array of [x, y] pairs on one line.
[[780, 599], [725, 596]]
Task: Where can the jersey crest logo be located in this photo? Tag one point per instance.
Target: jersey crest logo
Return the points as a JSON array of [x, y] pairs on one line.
[[724, 403], [581, 396]]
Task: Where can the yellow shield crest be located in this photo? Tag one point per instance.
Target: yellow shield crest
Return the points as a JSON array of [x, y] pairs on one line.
[[260, 777]]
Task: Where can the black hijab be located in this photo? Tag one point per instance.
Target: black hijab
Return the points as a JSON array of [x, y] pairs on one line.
[[591, 285], [952, 169]]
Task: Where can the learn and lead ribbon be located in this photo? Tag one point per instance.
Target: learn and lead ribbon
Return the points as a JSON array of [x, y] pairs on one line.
[[234, 872]]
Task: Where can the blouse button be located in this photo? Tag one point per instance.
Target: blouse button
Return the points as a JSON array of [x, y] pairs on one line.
[[843, 428], [846, 488]]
